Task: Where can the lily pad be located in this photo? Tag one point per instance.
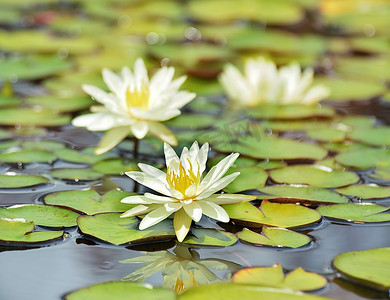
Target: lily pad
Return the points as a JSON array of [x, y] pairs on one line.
[[302, 194], [110, 228], [191, 121], [60, 104], [89, 201], [365, 158], [42, 145], [42, 215], [210, 237], [19, 231], [326, 134], [379, 136], [317, 176], [28, 156], [20, 180], [358, 213], [115, 166], [121, 290], [9, 101], [298, 279], [250, 178], [368, 267], [381, 174], [85, 156], [366, 191], [31, 117], [76, 174], [374, 67], [272, 214], [273, 236], [238, 291], [290, 111]]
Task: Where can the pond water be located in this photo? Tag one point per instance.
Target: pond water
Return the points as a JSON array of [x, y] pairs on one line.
[[48, 49]]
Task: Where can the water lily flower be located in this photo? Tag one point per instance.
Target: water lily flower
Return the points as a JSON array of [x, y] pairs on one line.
[[184, 192], [135, 105], [262, 82], [181, 269]]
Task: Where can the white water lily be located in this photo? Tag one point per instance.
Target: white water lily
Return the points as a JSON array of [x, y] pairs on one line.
[[262, 82], [184, 191], [135, 104]]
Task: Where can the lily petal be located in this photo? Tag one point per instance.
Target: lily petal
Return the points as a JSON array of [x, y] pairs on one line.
[[194, 210], [229, 198], [217, 185], [112, 138], [181, 223], [135, 211], [140, 129], [214, 211], [154, 217], [163, 133]]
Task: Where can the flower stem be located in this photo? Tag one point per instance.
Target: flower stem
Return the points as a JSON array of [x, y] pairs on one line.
[[135, 148]]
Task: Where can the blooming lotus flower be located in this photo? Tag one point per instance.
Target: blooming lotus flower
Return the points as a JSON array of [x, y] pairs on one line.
[[135, 104], [262, 82], [184, 191], [181, 269]]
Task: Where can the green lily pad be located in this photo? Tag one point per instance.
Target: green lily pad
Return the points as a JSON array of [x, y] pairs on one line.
[[357, 121], [381, 174], [368, 267], [4, 134], [9, 101], [317, 176], [379, 136], [9, 144], [191, 121], [250, 178], [273, 236], [76, 174], [238, 291], [298, 279], [346, 146], [115, 166], [358, 213], [60, 104], [30, 117], [20, 180], [342, 89], [85, 156], [210, 237], [289, 112], [271, 164], [302, 194], [121, 290], [365, 158], [110, 228], [326, 134], [89, 201], [366, 191], [374, 67], [42, 215], [272, 214], [32, 67], [28, 156], [42, 145], [19, 231]]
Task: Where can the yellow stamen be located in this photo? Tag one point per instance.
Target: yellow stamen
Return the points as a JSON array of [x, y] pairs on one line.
[[138, 97], [184, 178], [179, 285]]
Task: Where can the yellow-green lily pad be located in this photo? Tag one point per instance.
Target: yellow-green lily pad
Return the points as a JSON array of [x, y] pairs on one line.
[[13, 181], [115, 166], [298, 279], [84, 156], [20, 231], [365, 158], [31, 117], [326, 134], [366, 191], [89, 201], [381, 174], [27, 156], [317, 176], [272, 214], [302, 194], [357, 213], [210, 237], [60, 104], [76, 174], [250, 178], [378, 136], [191, 121], [368, 267], [275, 237], [42, 215], [109, 227], [9, 101]]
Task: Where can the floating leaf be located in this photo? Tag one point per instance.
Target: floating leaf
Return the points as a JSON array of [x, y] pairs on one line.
[[290, 111], [358, 213], [85, 156], [210, 237], [326, 134], [30, 117], [378, 136], [42, 215], [272, 214], [365, 158], [42, 145], [121, 290], [20, 180], [9, 101], [381, 174], [374, 67], [250, 178], [298, 279], [19, 231], [366, 191], [302, 194], [61, 103], [316, 176], [273, 236], [89, 201], [191, 121], [110, 228], [115, 166], [76, 174], [238, 291], [368, 267], [28, 156]]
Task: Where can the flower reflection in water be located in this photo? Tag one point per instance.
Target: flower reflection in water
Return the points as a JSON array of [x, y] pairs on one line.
[[181, 269]]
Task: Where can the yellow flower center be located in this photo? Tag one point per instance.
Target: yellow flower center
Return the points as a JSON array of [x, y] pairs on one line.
[[179, 286], [139, 97], [181, 180]]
